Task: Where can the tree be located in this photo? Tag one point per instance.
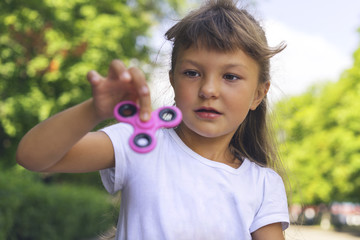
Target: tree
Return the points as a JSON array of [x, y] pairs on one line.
[[320, 139], [48, 46]]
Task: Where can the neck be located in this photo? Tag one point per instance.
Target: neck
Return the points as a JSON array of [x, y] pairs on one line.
[[212, 148]]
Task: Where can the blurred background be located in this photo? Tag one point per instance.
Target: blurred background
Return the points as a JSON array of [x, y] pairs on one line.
[[48, 46]]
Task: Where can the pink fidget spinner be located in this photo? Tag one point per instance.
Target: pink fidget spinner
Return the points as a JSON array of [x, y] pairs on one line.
[[143, 139]]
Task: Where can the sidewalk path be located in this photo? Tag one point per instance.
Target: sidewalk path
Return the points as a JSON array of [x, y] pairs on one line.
[[316, 233]]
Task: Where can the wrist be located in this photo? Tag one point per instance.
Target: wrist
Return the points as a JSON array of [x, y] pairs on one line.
[[92, 113]]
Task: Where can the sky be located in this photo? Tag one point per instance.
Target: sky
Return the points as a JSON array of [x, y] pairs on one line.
[[321, 37]]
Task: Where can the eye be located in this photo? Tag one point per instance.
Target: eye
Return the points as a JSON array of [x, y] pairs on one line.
[[231, 77], [192, 73]]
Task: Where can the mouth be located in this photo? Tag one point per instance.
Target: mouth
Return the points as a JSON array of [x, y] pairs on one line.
[[209, 113], [207, 110]]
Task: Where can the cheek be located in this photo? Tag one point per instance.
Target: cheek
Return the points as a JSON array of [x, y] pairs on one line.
[[238, 102], [181, 98], [182, 91]]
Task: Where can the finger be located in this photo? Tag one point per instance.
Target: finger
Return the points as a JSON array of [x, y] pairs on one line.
[[143, 92], [117, 71], [94, 77]]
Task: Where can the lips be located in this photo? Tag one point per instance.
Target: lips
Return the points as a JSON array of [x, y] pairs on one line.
[[205, 109], [207, 113]]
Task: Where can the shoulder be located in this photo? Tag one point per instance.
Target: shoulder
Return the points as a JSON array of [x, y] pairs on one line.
[[117, 128], [268, 181], [118, 132], [272, 200], [263, 173], [272, 185]]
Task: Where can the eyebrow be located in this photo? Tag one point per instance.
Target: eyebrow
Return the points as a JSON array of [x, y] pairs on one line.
[[189, 61], [230, 65]]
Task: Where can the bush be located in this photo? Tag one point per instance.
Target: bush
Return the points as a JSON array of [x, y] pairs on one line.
[[30, 209], [88, 179], [10, 201]]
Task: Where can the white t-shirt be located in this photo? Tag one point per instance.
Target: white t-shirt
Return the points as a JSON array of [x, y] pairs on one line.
[[174, 193]]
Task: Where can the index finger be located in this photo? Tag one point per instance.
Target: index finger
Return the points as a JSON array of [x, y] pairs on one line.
[[143, 91], [117, 71]]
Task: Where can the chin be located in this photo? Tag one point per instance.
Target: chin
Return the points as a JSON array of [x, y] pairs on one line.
[[207, 130], [211, 133]]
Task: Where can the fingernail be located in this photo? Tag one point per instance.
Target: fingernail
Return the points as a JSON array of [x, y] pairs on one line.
[[126, 75], [145, 116], [144, 90], [94, 78]]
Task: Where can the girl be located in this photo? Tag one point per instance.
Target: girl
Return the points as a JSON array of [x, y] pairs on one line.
[[211, 177]]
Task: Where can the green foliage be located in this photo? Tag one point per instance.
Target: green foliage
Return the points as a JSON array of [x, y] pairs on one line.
[[321, 145], [31, 210], [46, 49], [81, 179], [48, 46]]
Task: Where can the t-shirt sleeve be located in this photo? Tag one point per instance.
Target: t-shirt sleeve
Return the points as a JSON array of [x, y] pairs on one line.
[[114, 178], [274, 206]]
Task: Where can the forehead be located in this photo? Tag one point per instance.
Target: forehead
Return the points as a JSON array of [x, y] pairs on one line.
[[208, 56]]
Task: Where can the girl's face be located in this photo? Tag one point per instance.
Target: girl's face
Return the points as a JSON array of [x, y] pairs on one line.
[[215, 90]]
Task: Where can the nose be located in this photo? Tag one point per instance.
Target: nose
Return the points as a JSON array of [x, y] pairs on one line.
[[209, 88]]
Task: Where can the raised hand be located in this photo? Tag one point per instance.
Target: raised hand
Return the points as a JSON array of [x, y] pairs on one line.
[[119, 85], [65, 143]]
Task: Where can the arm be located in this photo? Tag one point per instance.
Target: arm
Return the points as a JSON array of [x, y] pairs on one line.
[[64, 143], [269, 232]]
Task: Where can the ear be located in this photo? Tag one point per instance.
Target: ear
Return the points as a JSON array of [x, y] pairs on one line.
[[260, 93]]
